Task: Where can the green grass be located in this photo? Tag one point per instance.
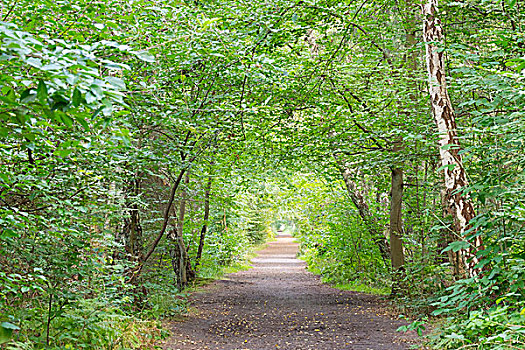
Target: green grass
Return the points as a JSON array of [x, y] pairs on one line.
[[351, 286], [219, 272], [235, 267], [245, 264], [362, 288]]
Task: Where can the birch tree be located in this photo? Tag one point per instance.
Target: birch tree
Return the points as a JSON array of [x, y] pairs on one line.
[[459, 203]]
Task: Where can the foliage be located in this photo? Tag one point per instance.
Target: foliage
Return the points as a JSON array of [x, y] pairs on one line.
[[121, 121], [333, 239], [484, 312]]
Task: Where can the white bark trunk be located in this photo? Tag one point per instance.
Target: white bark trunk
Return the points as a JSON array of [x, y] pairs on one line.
[[358, 198], [459, 203]]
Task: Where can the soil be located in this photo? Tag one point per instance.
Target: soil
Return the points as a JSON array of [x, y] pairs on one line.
[[278, 304]]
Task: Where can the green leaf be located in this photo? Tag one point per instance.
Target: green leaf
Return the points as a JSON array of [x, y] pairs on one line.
[[144, 56], [90, 98], [116, 82], [27, 96], [450, 167], [97, 91], [6, 331], [455, 336], [456, 246], [52, 66], [77, 97], [50, 114], [41, 92], [450, 146], [8, 325], [63, 152], [66, 120], [34, 62], [82, 122]]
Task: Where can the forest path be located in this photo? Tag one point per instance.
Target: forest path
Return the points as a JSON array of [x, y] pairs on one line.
[[279, 305]]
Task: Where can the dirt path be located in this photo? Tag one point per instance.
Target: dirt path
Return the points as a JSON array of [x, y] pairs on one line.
[[279, 305]]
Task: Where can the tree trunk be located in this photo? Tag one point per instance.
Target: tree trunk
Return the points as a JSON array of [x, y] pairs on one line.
[[447, 237], [179, 258], [370, 222], [136, 273], [205, 224], [459, 203], [179, 255], [131, 233], [397, 255]]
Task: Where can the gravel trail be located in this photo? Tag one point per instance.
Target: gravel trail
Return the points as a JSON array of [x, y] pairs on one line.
[[278, 304]]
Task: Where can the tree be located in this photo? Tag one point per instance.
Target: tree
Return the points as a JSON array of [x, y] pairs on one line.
[[459, 203]]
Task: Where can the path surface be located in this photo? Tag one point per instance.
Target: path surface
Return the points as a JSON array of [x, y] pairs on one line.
[[279, 305]]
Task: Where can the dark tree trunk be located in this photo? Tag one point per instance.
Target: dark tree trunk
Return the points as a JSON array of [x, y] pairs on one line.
[[396, 222], [179, 260], [205, 224], [397, 254], [131, 233], [179, 253]]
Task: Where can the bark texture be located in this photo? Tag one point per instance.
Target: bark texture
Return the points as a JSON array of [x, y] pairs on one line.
[[205, 225], [358, 198], [459, 204], [178, 252], [396, 223], [131, 234]]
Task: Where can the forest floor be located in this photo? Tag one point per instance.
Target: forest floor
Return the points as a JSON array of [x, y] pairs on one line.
[[278, 304]]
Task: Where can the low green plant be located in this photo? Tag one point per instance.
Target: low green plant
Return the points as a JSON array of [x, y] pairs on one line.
[[90, 324], [501, 327], [419, 325]]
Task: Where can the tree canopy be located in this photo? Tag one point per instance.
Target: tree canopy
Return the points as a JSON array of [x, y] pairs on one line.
[[147, 145]]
